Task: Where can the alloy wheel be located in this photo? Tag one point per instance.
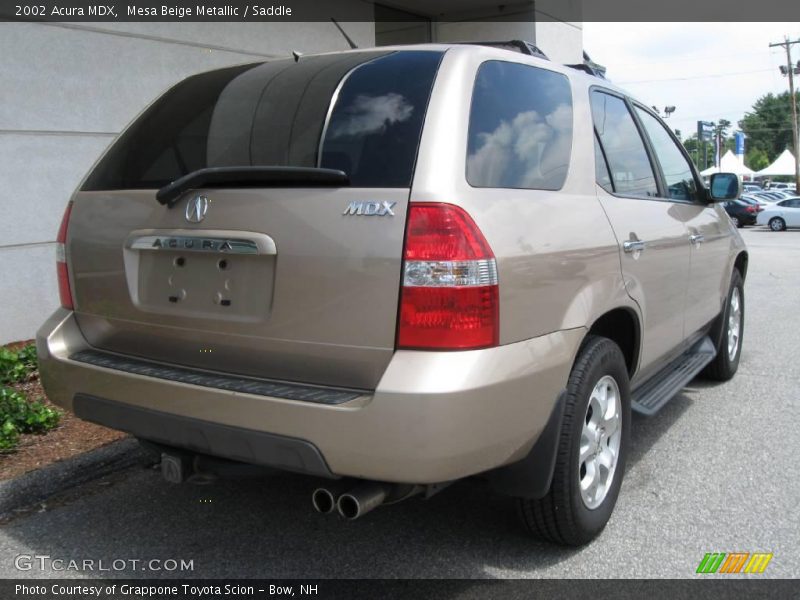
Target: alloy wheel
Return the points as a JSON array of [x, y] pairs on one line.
[[734, 323], [600, 442]]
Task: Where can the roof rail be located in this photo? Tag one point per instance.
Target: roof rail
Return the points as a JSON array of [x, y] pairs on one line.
[[520, 46], [590, 67]]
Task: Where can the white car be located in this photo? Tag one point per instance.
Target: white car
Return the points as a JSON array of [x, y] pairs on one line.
[[781, 215]]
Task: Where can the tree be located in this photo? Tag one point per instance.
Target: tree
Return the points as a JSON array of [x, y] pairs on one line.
[[702, 151], [756, 159], [768, 126], [721, 128]]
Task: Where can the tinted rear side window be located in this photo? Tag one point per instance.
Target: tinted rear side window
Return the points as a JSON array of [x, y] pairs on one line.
[[275, 114], [520, 127], [624, 149], [375, 127]]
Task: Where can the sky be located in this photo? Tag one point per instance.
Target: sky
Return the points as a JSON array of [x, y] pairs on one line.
[[708, 71]]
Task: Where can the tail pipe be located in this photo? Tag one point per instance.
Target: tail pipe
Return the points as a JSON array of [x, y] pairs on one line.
[[323, 501], [362, 499]]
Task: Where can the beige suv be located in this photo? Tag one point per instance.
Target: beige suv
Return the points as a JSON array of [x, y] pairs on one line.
[[392, 269]]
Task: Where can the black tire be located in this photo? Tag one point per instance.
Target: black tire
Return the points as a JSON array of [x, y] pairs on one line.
[[723, 367], [562, 516], [777, 224]]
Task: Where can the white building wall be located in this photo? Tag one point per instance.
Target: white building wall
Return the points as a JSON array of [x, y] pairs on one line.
[[561, 42], [68, 89]]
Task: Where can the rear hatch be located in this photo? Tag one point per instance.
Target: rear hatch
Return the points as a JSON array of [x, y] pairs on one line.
[[283, 273]]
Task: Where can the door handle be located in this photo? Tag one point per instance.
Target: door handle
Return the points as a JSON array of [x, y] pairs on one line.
[[633, 246], [697, 239]]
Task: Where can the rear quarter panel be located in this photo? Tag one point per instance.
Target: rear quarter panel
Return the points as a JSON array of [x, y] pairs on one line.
[[557, 256]]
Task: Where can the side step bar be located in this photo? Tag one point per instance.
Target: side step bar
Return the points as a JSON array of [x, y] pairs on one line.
[[650, 397]]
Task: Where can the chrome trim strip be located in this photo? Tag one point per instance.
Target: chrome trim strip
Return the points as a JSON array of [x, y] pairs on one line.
[[194, 244], [217, 241]]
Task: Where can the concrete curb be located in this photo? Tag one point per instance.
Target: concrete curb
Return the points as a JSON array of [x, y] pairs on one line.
[[37, 486]]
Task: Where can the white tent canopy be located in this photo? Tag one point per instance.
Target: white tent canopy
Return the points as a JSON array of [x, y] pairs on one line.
[[730, 163], [783, 165]]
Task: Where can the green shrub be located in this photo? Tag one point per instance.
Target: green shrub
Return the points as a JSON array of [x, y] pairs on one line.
[[18, 415], [17, 365]]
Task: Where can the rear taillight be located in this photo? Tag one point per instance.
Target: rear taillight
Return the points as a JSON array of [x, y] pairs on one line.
[[449, 299], [751, 209], [64, 291]]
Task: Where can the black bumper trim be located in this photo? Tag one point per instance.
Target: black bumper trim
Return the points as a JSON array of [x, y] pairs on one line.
[[215, 439], [231, 383]]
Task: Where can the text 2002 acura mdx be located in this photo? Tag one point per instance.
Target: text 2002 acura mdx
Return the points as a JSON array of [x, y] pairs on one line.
[[397, 268]]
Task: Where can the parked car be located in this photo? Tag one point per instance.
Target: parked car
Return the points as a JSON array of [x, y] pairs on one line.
[[781, 215], [337, 265], [759, 204], [740, 212], [772, 196], [754, 199], [751, 187]]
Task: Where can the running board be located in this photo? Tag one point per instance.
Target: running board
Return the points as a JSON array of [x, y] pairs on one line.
[[649, 398]]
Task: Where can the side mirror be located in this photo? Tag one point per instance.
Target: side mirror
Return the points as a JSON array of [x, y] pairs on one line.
[[724, 186]]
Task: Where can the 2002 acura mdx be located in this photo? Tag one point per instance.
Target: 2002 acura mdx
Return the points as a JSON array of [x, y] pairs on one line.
[[397, 268]]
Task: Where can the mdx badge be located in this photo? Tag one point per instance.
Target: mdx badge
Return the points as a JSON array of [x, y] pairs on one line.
[[370, 209]]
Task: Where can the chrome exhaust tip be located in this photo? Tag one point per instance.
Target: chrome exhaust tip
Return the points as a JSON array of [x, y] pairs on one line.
[[361, 500], [323, 501]]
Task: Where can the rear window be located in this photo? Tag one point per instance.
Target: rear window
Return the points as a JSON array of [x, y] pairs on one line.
[[520, 127], [360, 112]]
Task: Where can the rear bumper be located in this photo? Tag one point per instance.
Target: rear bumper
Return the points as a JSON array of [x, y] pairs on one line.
[[434, 416]]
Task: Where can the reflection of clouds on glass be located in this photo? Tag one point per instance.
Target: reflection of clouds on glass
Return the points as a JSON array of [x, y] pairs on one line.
[[371, 114], [529, 152]]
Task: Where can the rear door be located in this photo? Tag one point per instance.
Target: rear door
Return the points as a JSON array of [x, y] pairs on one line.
[[654, 249], [294, 282], [791, 212], [707, 225]]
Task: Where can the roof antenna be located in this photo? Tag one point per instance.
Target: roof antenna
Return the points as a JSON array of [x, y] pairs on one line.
[[296, 55], [347, 37]]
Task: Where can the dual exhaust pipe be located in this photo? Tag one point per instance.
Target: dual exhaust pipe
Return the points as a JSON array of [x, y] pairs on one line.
[[354, 503]]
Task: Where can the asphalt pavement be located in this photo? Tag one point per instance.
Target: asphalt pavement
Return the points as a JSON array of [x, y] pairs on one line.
[[716, 470]]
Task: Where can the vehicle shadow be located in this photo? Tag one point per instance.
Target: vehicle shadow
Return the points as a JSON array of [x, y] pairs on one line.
[[267, 528], [765, 229], [646, 431]]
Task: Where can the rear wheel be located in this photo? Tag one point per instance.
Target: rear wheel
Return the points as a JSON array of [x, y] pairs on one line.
[[735, 221], [591, 453], [726, 363], [777, 224]]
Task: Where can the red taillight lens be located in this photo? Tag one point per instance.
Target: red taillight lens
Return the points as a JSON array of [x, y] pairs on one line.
[[443, 232], [64, 291], [751, 209], [449, 299]]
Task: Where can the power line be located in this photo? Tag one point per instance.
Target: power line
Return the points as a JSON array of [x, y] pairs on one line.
[[695, 77], [670, 61]]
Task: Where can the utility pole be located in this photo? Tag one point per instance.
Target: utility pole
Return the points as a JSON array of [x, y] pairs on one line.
[[790, 71]]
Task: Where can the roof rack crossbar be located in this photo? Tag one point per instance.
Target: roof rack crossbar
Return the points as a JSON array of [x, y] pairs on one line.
[[520, 46]]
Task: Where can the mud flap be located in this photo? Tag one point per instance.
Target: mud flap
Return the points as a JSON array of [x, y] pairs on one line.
[[531, 476]]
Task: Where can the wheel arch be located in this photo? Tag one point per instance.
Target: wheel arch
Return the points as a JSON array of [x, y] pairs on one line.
[[620, 325], [741, 262]]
